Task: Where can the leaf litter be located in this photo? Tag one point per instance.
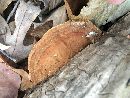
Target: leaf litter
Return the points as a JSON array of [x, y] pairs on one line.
[[14, 29]]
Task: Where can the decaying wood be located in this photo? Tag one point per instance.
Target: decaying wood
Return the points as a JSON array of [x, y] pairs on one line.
[[98, 11], [101, 70]]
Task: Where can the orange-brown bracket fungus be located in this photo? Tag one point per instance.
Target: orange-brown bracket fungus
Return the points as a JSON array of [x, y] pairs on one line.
[[57, 46]]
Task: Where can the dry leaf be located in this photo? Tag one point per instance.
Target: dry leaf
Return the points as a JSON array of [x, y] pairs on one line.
[[12, 26], [59, 16], [53, 3], [40, 30], [4, 28], [4, 47], [25, 15], [9, 81], [49, 5], [4, 4]]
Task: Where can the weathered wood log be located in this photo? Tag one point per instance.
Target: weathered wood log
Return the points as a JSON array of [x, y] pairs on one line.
[[98, 11], [101, 70]]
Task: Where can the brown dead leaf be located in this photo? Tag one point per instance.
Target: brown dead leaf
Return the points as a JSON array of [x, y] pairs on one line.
[[40, 30], [4, 4], [25, 15], [59, 16], [9, 81]]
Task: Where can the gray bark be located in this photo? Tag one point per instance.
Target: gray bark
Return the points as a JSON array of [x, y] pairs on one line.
[[101, 70], [102, 12]]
